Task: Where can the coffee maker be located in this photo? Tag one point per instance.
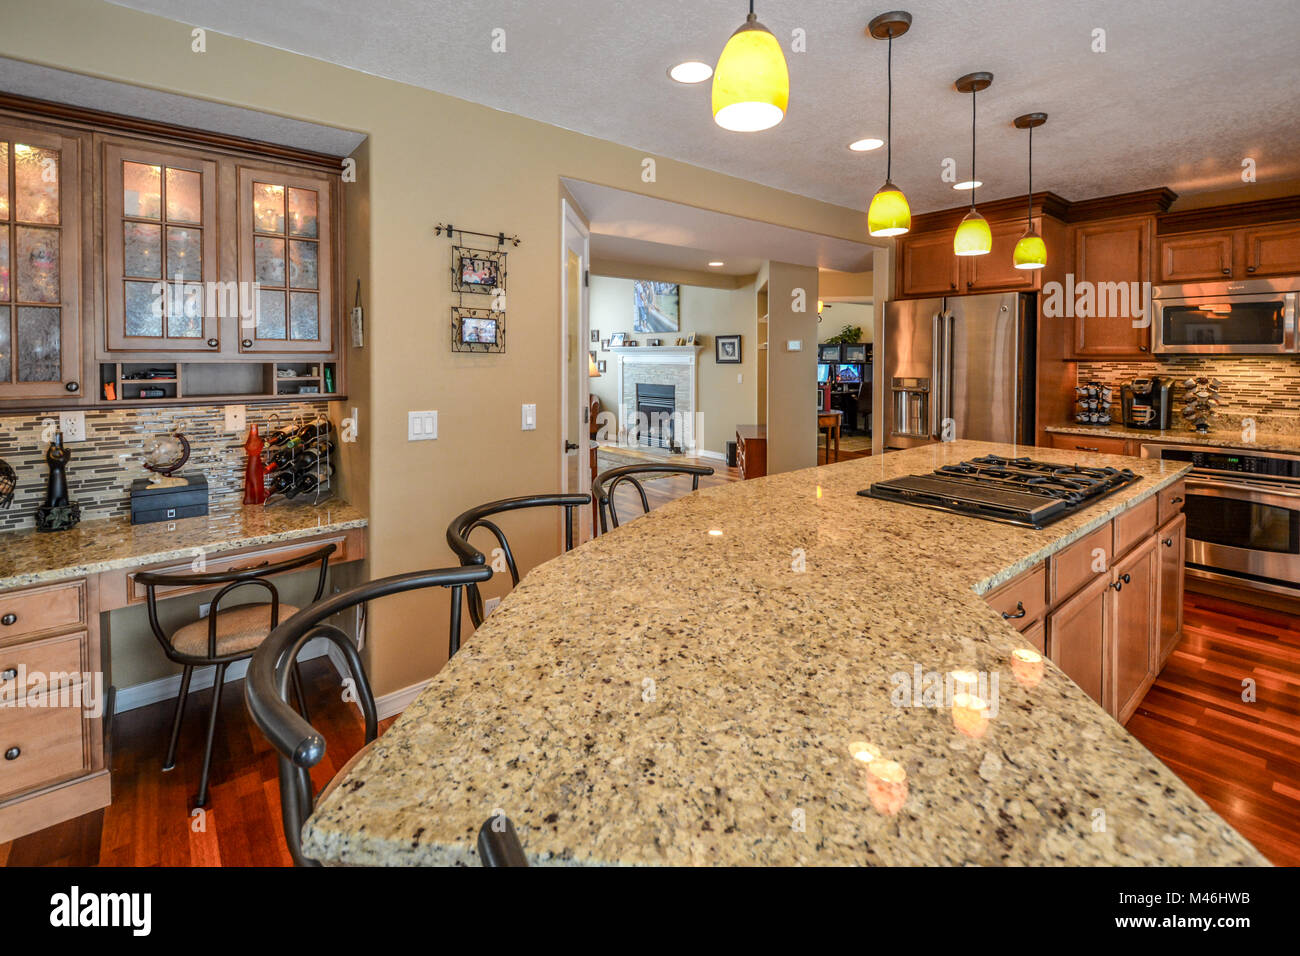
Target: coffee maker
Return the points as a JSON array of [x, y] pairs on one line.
[[1147, 403]]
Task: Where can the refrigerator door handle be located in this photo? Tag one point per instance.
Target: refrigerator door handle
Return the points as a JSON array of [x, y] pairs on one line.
[[936, 372]]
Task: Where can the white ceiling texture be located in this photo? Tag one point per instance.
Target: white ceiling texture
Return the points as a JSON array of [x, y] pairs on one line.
[[1183, 92]]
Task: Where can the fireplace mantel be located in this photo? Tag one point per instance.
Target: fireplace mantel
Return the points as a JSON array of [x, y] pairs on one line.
[[630, 357]]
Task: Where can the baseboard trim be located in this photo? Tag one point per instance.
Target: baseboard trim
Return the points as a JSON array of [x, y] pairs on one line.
[[392, 704], [166, 688]]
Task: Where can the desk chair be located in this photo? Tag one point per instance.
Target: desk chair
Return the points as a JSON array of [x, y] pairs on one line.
[[608, 481]]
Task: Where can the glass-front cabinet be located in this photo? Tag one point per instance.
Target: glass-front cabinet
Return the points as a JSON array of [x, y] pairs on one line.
[[285, 262], [40, 264], [161, 288]]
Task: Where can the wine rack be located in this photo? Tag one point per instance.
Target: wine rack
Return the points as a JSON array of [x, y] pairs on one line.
[[300, 465]]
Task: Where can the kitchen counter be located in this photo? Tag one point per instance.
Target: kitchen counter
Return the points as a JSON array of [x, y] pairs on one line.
[[662, 695], [1224, 437], [29, 557]]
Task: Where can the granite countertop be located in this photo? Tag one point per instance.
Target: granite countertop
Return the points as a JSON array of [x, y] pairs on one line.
[[663, 695], [29, 557], [1225, 437]]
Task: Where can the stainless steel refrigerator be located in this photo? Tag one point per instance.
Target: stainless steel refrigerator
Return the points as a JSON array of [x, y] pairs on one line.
[[959, 367]]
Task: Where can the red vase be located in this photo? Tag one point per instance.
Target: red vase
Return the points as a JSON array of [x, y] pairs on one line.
[[254, 470]]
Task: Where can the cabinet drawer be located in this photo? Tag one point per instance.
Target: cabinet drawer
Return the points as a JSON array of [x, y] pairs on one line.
[[1036, 635], [39, 745], [53, 655], [137, 593], [1022, 600], [1093, 444], [1171, 501], [33, 610], [1078, 564], [1135, 524]]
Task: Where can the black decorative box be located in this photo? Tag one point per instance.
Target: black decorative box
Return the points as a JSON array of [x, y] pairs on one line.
[[167, 504]]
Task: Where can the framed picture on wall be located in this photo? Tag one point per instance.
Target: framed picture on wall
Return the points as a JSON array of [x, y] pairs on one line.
[[477, 270], [477, 330], [604, 345], [600, 366], [726, 349], [595, 335], [617, 339], [654, 306]]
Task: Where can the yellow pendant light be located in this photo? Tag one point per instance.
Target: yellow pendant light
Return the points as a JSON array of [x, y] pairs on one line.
[[1030, 251], [973, 237], [751, 85], [889, 214]]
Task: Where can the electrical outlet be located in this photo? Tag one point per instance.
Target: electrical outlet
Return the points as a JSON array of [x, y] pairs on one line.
[[490, 605], [421, 426], [529, 420], [73, 426], [236, 418], [204, 609]]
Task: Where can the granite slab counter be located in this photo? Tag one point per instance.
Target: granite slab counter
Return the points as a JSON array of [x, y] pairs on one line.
[[692, 688], [29, 557], [1227, 437]]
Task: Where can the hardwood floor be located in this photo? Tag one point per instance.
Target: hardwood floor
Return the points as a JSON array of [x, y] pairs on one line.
[[1242, 758]]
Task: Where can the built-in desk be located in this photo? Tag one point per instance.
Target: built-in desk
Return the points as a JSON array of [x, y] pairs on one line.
[[55, 673]]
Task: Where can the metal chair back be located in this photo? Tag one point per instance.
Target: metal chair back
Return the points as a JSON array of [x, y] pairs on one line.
[[608, 481]]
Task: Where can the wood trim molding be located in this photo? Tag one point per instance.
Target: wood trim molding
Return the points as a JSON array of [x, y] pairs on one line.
[[30, 108], [1261, 211], [1145, 202]]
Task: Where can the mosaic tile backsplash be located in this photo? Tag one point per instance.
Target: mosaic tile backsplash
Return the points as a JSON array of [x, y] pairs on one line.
[[1256, 385], [103, 466]]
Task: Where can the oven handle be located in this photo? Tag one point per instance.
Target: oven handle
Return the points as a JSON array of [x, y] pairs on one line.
[[1196, 481]]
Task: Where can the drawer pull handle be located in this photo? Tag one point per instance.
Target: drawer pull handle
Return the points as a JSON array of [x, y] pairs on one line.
[[9, 673], [9, 619], [1087, 448], [1020, 612], [250, 567], [1176, 501], [12, 753]]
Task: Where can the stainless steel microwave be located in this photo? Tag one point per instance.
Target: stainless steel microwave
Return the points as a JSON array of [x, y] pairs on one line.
[[1253, 317]]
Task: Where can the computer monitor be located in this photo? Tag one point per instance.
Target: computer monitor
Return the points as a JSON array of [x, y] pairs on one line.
[[823, 373], [848, 374]]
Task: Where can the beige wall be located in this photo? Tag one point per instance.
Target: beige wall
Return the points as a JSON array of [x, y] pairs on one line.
[[791, 376], [724, 402], [431, 158]]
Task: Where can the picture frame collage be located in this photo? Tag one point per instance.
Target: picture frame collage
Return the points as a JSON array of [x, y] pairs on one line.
[[478, 272]]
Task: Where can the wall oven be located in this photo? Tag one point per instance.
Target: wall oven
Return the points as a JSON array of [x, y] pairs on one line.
[[1243, 515], [1254, 317]]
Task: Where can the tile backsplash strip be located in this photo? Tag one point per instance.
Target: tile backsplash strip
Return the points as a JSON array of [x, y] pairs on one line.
[[1253, 385], [105, 464]]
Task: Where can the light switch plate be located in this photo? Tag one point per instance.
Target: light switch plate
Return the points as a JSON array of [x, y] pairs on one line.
[[236, 418], [73, 426], [421, 426], [794, 345], [528, 422], [740, 378]]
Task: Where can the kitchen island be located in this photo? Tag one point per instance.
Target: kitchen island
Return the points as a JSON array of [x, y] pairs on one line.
[[702, 685]]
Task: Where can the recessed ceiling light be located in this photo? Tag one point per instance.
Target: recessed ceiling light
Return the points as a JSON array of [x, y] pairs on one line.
[[716, 264], [866, 145], [968, 184], [692, 71]]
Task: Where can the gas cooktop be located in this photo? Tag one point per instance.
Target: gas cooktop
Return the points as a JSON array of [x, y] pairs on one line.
[[1017, 491]]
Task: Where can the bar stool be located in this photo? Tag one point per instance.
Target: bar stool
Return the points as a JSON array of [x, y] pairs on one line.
[[226, 636], [301, 747], [458, 533], [608, 481]]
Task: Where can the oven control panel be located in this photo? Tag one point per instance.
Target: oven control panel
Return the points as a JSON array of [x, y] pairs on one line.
[[1235, 461]]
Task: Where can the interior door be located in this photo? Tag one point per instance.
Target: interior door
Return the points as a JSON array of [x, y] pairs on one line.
[[982, 355], [576, 450]]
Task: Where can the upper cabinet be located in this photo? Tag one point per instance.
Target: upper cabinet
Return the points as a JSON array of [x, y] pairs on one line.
[[927, 266], [1247, 252], [160, 251], [1270, 251], [40, 263], [1114, 251], [285, 261]]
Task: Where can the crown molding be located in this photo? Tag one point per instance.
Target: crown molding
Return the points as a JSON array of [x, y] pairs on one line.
[[1225, 217]]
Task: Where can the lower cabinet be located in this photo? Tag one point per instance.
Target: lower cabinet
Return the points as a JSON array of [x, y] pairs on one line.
[[1077, 634], [1132, 606], [1169, 590]]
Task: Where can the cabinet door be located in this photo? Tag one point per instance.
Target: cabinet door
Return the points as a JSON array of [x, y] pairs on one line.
[[286, 248], [1195, 258], [1106, 254], [1272, 251], [1133, 628], [1076, 637], [927, 265], [996, 272], [40, 263], [160, 252], [1172, 552]]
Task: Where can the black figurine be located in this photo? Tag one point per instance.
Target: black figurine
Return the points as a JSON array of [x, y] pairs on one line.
[[57, 513]]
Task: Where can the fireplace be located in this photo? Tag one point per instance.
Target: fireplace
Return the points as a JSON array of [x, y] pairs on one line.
[[656, 407]]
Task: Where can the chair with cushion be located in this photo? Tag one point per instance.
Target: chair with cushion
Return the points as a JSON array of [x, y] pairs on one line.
[[227, 634], [300, 746], [608, 481], [458, 533]]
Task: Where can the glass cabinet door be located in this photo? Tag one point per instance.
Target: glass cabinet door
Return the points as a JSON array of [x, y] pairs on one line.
[[285, 262], [40, 264], [162, 288]]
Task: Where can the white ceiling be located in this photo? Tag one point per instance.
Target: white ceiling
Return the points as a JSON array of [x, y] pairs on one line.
[[1186, 89], [630, 227]]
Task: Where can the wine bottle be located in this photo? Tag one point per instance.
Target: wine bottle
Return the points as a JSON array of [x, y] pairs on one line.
[[303, 485], [280, 482]]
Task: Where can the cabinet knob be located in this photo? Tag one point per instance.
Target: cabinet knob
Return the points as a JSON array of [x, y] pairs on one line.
[[12, 753], [73, 387], [1169, 542], [213, 343], [9, 673], [1176, 501], [9, 619], [1250, 268], [1117, 585], [1227, 272], [1020, 612], [247, 343]]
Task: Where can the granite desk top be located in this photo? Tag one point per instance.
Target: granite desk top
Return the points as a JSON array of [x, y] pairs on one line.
[[29, 557], [666, 695], [1264, 440]]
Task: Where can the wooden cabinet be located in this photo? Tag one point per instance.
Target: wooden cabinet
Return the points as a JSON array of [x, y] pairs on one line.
[[160, 251], [41, 250], [1132, 637], [1023, 599], [996, 272], [1077, 633], [927, 266], [1169, 590], [1094, 444], [1271, 251], [1195, 258], [1247, 252], [751, 451], [286, 240], [1114, 257]]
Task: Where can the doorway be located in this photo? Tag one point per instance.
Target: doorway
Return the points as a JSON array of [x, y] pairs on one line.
[[575, 440]]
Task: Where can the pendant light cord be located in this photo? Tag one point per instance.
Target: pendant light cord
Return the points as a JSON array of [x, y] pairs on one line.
[[972, 148], [889, 110], [1029, 214]]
